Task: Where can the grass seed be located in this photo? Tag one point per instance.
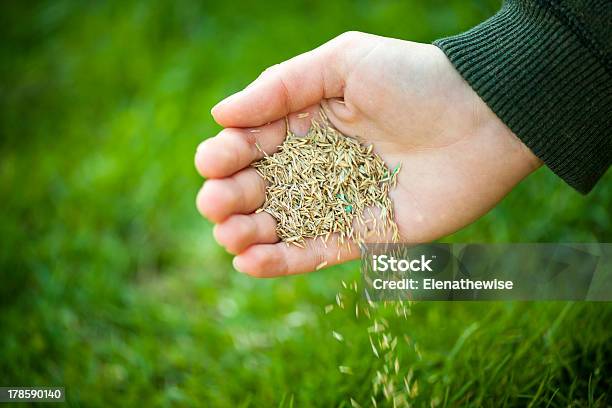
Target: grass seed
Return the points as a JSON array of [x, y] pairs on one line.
[[323, 183]]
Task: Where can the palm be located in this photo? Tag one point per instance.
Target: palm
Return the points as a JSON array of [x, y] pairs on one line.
[[407, 100], [457, 158]]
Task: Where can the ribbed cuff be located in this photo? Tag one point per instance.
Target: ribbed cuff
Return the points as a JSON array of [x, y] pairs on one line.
[[545, 84]]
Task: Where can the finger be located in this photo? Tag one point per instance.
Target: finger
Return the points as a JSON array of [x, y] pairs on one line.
[[272, 260], [234, 149], [288, 87], [241, 193], [240, 231]]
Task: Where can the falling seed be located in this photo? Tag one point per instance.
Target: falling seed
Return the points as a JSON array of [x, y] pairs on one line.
[[374, 348], [329, 308], [339, 301], [415, 390], [321, 265], [337, 336], [345, 370]]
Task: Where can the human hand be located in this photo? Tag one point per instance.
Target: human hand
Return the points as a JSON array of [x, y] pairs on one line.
[[458, 159]]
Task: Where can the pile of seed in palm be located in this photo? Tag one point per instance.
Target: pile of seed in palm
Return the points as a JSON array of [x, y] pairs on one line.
[[327, 183]]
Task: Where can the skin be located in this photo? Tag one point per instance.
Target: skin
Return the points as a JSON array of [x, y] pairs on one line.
[[458, 159]]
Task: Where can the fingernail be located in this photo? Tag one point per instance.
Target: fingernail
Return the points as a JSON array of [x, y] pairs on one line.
[[235, 264]]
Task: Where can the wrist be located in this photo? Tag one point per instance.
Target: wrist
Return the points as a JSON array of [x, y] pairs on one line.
[[493, 143], [509, 152]]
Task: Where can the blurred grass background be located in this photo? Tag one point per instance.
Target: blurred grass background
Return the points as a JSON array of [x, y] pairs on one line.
[[112, 286]]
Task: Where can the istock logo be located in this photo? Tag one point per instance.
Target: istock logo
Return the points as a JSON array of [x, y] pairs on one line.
[[384, 263]]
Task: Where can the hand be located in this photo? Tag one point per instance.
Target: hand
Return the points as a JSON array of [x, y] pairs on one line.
[[458, 159]]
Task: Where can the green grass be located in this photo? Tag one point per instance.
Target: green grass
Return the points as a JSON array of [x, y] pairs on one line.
[[112, 286]]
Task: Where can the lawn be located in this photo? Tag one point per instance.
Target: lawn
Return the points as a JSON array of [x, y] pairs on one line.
[[111, 283]]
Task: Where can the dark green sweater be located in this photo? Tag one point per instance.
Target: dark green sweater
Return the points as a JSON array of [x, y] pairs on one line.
[[545, 68]]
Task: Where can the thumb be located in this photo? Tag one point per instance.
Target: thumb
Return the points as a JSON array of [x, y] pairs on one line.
[[290, 86]]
